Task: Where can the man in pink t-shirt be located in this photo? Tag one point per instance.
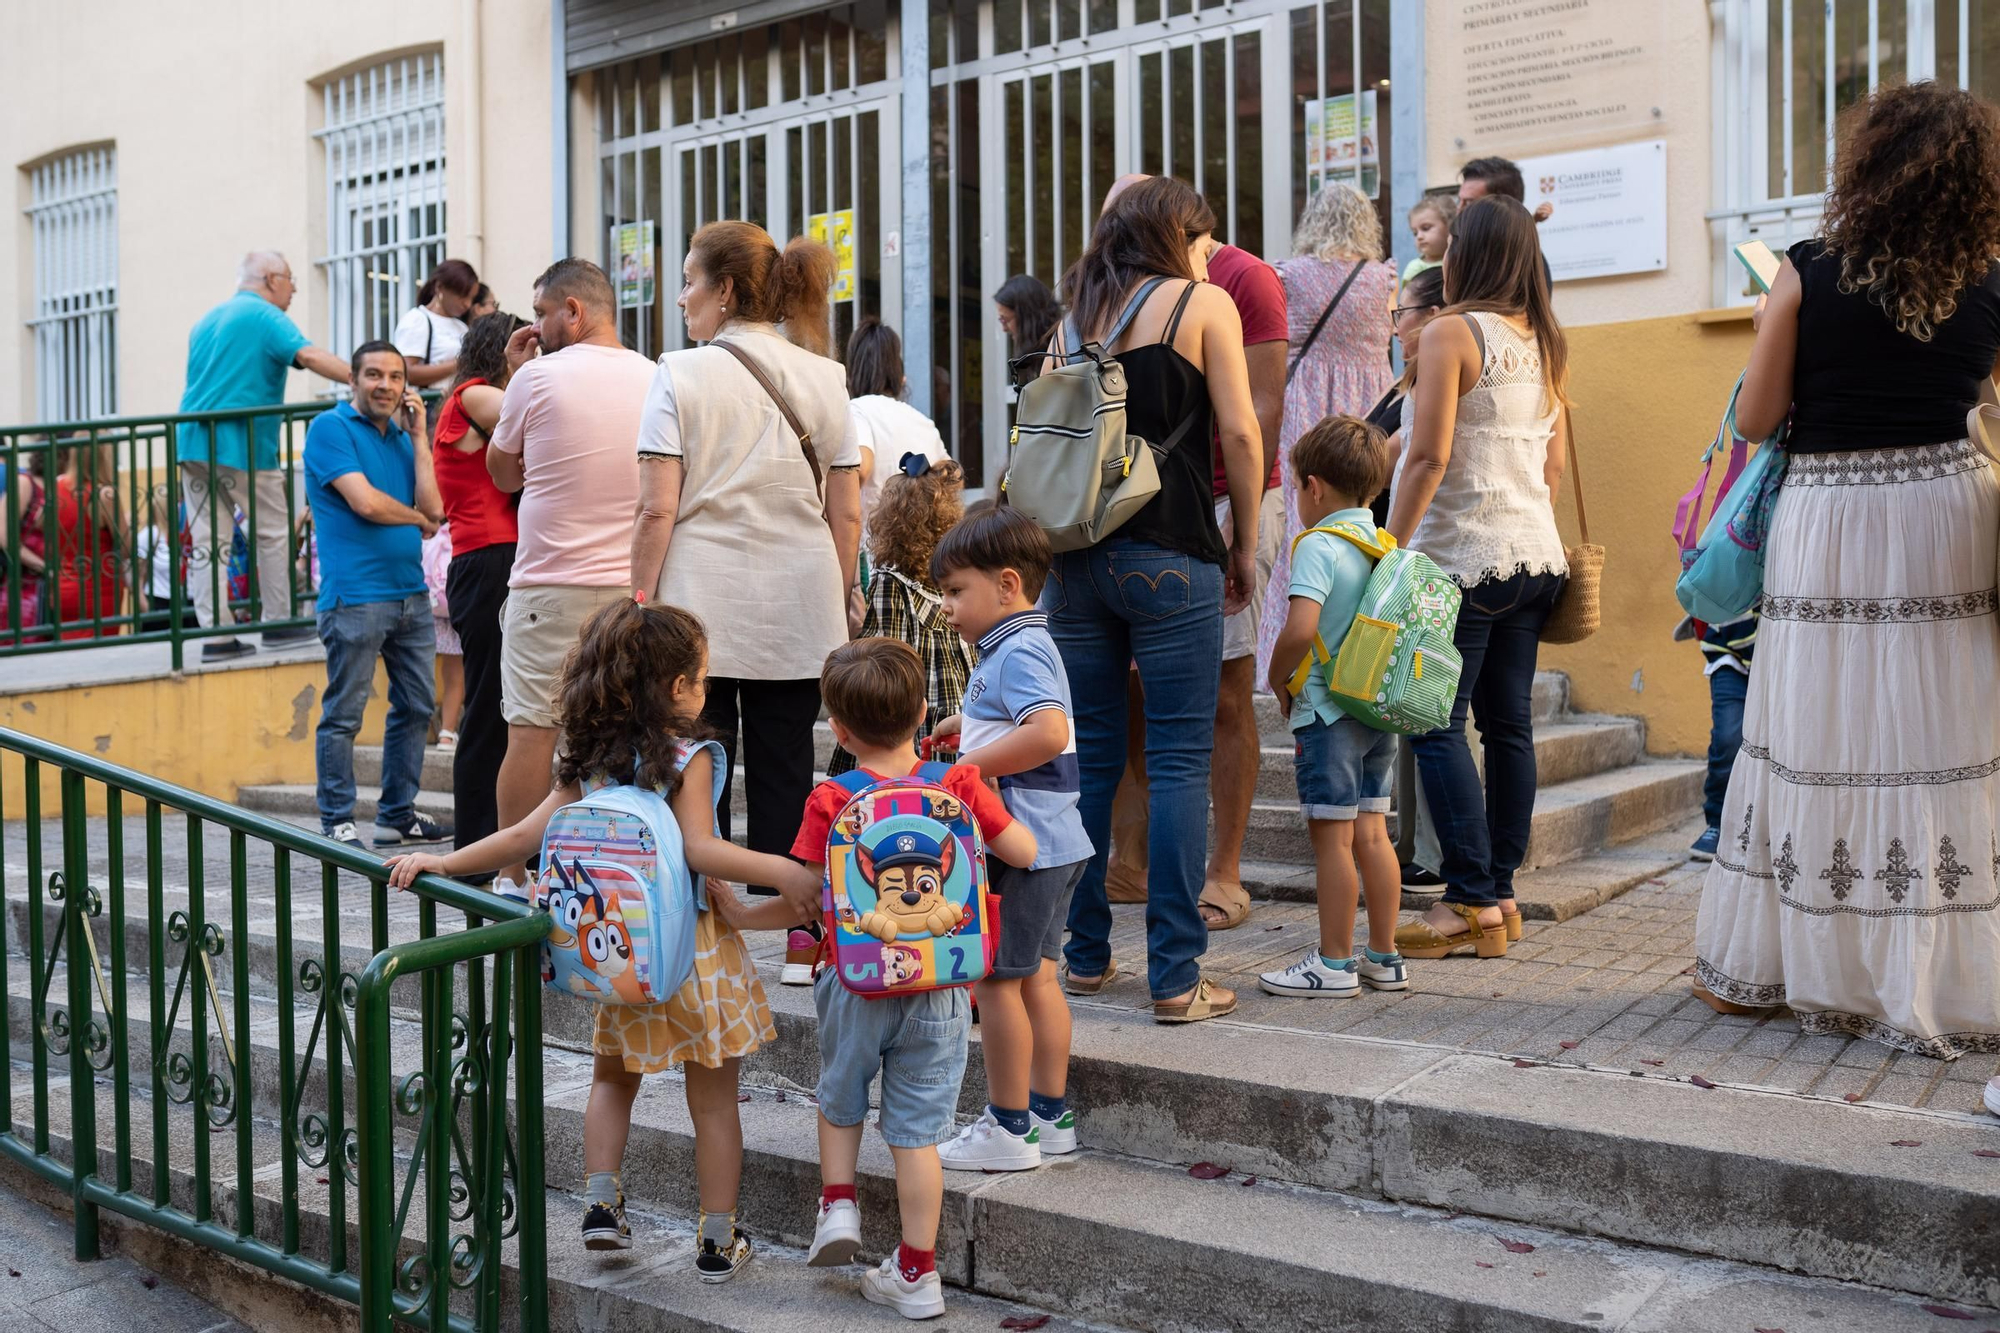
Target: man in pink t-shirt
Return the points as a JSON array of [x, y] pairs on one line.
[[1232, 776], [565, 443]]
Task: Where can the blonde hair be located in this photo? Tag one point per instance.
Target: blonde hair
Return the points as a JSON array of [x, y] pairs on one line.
[[1444, 205], [1339, 220]]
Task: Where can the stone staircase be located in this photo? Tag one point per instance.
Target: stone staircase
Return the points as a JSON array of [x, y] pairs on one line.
[[1597, 791], [1371, 1184]]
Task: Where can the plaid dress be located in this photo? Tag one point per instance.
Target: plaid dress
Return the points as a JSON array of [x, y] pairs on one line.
[[901, 608]]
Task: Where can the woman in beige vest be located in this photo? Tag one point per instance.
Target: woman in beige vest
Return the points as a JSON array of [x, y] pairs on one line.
[[742, 521]]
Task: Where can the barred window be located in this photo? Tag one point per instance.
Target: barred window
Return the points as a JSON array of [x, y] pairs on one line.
[[73, 207], [384, 139]]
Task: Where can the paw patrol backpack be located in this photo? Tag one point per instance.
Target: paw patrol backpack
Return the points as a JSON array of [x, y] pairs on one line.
[[616, 880], [905, 893]]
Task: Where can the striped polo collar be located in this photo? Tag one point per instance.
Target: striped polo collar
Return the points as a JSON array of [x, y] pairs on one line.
[[1010, 626]]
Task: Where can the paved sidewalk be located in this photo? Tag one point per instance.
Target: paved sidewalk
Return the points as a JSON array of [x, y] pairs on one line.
[[44, 1288], [1614, 981]]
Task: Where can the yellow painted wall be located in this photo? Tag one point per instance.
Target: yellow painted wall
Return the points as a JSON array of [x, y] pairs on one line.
[[213, 731], [1649, 395]]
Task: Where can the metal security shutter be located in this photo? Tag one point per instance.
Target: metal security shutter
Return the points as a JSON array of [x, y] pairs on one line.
[[74, 210], [599, 32]]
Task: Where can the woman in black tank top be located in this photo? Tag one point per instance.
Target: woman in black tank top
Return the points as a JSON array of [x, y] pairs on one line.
[[1858, 877], [1154, 592]]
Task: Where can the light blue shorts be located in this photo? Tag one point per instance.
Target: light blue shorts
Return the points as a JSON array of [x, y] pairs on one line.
[[1344, 769], [917, 1043]]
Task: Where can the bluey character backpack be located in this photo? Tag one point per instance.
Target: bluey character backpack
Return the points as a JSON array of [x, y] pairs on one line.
[[905, 892], [616, 880], [1397, 669]]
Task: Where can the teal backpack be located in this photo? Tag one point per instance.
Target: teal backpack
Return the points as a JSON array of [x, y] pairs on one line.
[[1397, 669]]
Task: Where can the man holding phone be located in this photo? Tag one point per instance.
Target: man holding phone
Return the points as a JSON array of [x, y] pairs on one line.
[[374, 499]]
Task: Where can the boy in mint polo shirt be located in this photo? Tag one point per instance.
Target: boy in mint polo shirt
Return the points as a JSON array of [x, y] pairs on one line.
[[238, 355], [1346, 771]]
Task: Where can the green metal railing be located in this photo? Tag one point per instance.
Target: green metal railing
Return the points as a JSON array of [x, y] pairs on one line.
[[88, 581], [440, 1131]]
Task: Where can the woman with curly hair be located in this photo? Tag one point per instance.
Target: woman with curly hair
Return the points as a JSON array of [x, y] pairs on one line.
[[920, 502], [1855, 882], [1338, 284], [631, 699]]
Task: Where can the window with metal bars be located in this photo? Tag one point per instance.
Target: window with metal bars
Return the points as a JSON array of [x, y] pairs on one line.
[[1789, 68], [383, 136], [73, 211]]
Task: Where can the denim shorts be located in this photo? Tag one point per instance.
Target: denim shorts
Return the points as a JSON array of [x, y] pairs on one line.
[[917, 1042], [1344, 769]]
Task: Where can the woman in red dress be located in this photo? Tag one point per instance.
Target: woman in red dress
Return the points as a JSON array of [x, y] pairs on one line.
[[90, 541]]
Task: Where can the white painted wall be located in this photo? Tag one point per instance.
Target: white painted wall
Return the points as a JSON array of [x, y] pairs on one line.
[[212, 108]]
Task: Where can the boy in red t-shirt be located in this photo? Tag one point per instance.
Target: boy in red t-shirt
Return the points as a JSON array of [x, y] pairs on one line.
[[875, 697]]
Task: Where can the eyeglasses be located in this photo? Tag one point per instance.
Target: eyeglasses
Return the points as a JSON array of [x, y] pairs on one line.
[[1397, 311]]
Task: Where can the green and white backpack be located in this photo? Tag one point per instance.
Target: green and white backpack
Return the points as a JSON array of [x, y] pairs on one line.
[[1397, 669]]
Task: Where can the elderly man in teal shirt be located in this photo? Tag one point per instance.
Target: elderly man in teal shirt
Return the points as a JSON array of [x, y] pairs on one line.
[[238, 356]]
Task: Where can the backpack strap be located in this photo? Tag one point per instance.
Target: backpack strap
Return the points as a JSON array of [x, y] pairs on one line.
[[932, 772], [1174, 320], [854, 781], [784, 408], [1318, 653]]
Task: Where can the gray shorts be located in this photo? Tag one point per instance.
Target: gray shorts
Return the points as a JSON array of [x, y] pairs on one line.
[[1034, 908], [916, 1042]]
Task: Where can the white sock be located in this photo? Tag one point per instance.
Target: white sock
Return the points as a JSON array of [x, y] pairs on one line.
[[601, 1187]]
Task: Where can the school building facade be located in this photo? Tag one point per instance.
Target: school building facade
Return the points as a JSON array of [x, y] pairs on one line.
[[941, 146]]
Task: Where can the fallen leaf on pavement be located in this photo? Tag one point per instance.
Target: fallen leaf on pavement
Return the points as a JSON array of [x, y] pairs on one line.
[[1272, 928], [1024, 1321], [780, 1094], [1984, 1152], [149, 1282], [1207, 1171], [1480, 1263], [1524, 1064], [742, 1096], [1248, 1181], [1541, 1274], [1654, 1063], [1569, 1045], [1906, 1143], [1699, 1081], [1945, 1312], [1850, 1097], [13, 1272], [1768, 1330], [322, 1180], [1517, 1247]]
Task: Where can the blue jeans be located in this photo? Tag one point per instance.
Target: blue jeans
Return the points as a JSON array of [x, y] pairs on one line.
[[1727, 688], [1112, 605], [355, 634], [1484, 834]]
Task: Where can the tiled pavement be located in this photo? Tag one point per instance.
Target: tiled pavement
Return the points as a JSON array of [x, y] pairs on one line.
[[1609, 988]]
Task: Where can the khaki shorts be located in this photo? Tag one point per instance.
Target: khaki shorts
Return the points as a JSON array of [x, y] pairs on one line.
[[538, 628], [1239, 632]]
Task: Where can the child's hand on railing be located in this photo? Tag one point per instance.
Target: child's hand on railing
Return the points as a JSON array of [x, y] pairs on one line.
[[404, 869]]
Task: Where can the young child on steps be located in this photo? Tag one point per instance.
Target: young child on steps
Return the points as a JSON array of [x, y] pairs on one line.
[[1345, 769], [1016, 728], [629, 701], [875, 698]]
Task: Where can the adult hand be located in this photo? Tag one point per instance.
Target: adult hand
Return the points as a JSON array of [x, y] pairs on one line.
[[524, 346], [800, 888], [722, 900], [1239, 581], [1757, 311], [857, 611], [414, 416], [427, 525]]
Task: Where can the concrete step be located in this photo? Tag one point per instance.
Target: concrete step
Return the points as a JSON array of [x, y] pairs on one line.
[[299, 800], [1352, 1124]]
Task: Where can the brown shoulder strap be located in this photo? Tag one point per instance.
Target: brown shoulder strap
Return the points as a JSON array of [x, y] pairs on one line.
[[784, 408], [1576, 478]]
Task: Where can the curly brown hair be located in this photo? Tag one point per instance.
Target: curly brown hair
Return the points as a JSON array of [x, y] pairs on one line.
[[616, 698], [1913, 215], [913, 515]]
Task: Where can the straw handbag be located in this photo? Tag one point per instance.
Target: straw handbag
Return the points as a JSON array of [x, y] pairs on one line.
[[1575, 616]]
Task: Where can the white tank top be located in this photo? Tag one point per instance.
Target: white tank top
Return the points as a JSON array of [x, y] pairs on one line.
[[1491, 518]]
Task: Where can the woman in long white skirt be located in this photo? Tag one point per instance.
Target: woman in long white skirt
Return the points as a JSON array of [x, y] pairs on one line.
[[1858, 878]]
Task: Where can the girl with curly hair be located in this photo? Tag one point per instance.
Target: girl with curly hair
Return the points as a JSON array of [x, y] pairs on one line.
[[1855, 882], [921, 501], [630, 702]]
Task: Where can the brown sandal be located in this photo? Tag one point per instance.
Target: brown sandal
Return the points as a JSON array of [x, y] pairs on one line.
[[1420, 939], [1208, 1001], [1512, 921], [1074, 985], [1233, 908], [1722, 1006]]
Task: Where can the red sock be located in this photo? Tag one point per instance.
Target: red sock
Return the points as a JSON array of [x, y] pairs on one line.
[[915, 1263], [831, 1194]]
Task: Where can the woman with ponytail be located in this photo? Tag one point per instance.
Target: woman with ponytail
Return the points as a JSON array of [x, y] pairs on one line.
[[431, 332], [750, 502]]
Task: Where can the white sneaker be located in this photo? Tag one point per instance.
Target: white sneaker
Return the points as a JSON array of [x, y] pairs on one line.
[[801, 952], [836, 1236], [1392, 975], [1993, 1095], [1311, 976], [346, 833], [507, 888], [986, 1145], [1058, 1136], [922, 1299]]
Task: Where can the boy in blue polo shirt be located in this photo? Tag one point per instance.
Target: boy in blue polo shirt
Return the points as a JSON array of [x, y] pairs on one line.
[[1015, 726]]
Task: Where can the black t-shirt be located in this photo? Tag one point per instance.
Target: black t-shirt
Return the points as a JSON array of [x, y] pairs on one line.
[[1860, 383]]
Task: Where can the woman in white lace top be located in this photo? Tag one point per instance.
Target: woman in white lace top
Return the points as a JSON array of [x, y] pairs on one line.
[[1485, 439]]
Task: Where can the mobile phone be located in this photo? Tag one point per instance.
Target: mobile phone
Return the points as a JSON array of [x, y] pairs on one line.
[[1763, 265]]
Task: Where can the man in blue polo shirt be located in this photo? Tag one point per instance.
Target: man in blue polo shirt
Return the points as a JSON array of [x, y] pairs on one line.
[[374, 499], [238, 356]]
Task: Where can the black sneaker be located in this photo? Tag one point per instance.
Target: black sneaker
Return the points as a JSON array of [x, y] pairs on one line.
[[713, 1263], [604, 1226], [224, 650], [420, 827], [1416, 877], [290, 638]]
